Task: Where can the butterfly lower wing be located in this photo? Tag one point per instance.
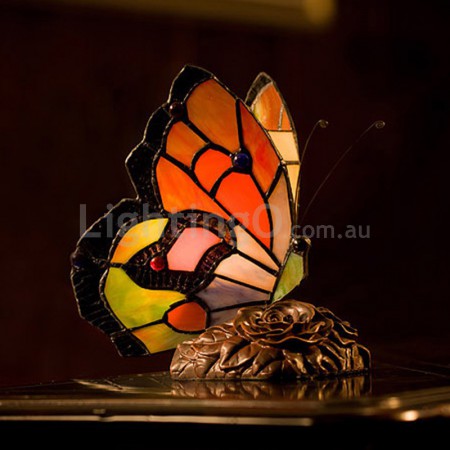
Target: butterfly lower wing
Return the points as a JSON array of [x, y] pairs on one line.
[[156, 303], [89, 265]]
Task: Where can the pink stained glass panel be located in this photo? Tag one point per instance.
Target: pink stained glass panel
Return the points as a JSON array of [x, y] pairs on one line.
[[189, 248]]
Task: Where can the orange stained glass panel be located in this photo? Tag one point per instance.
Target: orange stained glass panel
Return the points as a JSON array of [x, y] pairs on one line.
[[267, 107], [239, 194], [179, 192], [285, 122], [188, 249], [210, 166], [188, 317], [265, 158], [183, 143], [212, 109]]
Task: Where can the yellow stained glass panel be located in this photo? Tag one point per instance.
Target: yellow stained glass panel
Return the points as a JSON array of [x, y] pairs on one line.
[[160, 337], [293, 274], [137, 238], [135, 306]]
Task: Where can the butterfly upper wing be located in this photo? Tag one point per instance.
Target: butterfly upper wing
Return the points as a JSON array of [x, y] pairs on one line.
[[221, 127], [196, 168], [268, 105]]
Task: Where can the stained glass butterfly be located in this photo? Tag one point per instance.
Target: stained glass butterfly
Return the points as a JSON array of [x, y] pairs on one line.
[[211, 228]]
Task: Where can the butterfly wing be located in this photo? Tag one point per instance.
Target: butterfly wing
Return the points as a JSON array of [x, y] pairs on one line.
[[217, 157], [90, 262], [231, 155], [139, 285], [269, 107], [209, 231], [267, 104]]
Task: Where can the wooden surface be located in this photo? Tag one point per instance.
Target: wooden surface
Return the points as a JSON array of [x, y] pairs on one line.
[[393, 406]]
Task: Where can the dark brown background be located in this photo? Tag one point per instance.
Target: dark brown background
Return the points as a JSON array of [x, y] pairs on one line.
[[77, 87]]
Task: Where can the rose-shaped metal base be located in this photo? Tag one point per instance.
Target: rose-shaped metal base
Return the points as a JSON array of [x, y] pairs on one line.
[[289, 339]]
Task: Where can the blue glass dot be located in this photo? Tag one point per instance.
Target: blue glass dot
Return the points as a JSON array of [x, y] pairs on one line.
[[242, 161]]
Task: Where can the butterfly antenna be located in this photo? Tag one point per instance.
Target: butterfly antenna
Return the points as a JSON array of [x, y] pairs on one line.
[[379, 124], [320, 123]]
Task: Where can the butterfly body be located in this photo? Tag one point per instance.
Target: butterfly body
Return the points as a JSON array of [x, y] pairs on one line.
[[211, 228]]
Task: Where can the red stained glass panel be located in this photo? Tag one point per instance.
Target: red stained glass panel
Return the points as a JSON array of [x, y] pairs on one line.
[[179, 192], [210, 166], [239, 195], [265, 159], [188, 317]]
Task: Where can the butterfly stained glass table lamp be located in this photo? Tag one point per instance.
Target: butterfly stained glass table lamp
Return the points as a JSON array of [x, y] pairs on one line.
[[204, 257]]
